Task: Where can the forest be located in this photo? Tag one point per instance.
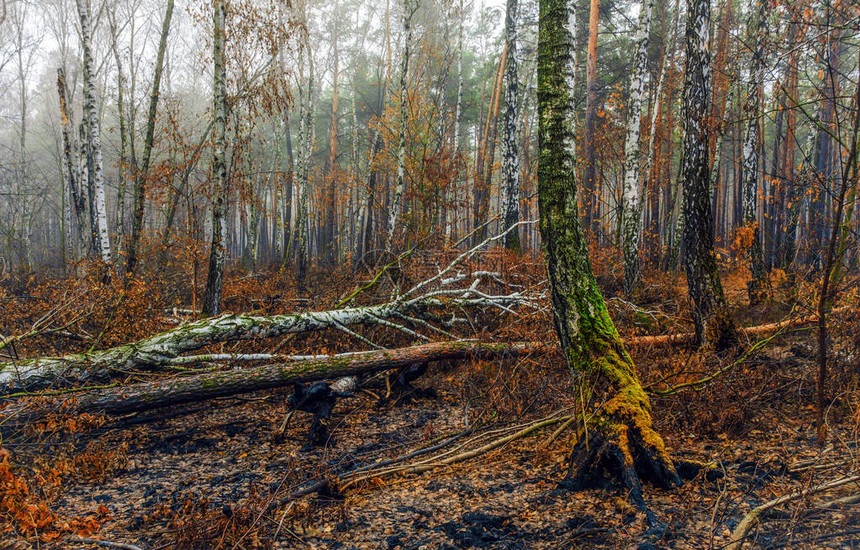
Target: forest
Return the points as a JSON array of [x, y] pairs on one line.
[[408, 274]]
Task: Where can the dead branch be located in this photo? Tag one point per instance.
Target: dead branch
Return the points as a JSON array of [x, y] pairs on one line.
[[760, 330], [164, 349], [751, 519], [106, 543], [174, 391]]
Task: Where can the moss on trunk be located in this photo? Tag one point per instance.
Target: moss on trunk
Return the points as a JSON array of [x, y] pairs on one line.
[[623, 443]]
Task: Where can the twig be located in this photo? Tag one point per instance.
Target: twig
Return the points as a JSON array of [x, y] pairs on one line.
[[711, 377], [435, 462], [107, 543], [751, 519]]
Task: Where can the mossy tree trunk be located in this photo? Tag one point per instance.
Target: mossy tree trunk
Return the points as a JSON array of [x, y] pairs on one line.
[[622, 443], [176, 391], [714, 324], [157, 351]]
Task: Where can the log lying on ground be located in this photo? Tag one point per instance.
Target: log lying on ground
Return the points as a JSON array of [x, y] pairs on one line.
[[179, 390], [163, 349], [759, 330]]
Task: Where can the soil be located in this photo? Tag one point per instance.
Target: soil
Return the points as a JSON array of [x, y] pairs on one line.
[[211, 476]]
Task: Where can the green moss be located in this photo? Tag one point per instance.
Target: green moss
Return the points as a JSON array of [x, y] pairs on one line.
[[588, 336]]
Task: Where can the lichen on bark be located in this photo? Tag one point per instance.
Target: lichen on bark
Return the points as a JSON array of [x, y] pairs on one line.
[[622, 443]]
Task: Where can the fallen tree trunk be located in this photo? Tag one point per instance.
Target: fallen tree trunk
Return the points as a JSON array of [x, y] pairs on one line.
[[175, 391], [163, 349], [759, 330]]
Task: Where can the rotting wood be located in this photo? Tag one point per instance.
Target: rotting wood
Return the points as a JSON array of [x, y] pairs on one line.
[[449, 288], [145, 396]]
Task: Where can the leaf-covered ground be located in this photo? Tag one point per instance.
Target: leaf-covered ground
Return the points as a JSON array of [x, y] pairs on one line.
[[211, 475]]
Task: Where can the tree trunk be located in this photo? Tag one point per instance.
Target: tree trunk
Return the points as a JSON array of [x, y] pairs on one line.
[[622, 441], [454, 195], [123, 131], [218, 251], [78, 204], [306, 136], [791, 199], [714, 324], [511, 161], [175, 391], [96, 172], [632, 205], [142, 173], [590, 200], [331, 232], [409, 9], [750, 170]]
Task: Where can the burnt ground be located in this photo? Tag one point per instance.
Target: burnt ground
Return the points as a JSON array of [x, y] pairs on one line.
[[211, 476]]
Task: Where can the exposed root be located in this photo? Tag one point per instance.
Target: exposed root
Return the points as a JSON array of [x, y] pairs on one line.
[[622, 446]]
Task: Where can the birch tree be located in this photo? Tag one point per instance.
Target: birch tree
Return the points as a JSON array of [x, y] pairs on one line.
[[454, 194], [714, 324], [217, 252], [621, 442], [95, 172], [751, 172], [511, 161], [409, 9], [73, 191], [632, 205], [305, 147]]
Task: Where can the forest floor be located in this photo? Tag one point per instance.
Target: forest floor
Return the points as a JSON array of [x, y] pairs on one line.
[[211, 475]]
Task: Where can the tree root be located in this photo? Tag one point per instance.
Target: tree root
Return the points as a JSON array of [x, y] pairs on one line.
[[623, 446]]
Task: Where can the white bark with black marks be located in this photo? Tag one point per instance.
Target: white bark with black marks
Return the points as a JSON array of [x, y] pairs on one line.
[[409, 9], [511, 160], [218, 251], [632, 200], [750, 163], [710, 313], [96, 178]]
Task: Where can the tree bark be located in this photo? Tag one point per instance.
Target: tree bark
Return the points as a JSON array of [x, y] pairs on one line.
[[142, 173], [511, 161], [485, 155], [632, 205], [622, 441], [306, 136], [750, 170], [96, 173], [714, 324], [123, 131], [590, 199], [454, 195], [789, 184], [331, 231], [78, 204], [175, 391], [218, 250], [409, 9]]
